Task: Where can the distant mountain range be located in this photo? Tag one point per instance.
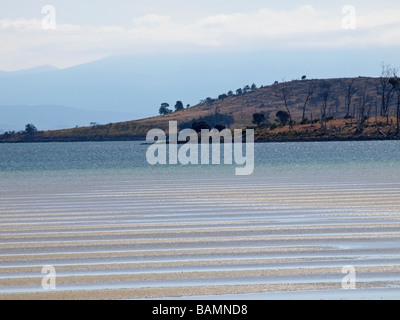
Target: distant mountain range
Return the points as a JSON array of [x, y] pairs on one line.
[[35, 70], [133, 84], [14, 118], [137, 84]]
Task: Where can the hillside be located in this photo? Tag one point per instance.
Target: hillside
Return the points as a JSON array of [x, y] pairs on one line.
[[329, 101]]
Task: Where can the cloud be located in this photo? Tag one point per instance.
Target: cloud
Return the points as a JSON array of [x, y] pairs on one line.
[[20, 25], [299, 27]]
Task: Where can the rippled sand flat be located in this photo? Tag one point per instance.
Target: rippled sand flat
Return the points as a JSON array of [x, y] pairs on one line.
[[238, 238]]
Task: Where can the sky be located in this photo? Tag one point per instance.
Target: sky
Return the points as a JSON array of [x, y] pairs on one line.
[[65, 33]]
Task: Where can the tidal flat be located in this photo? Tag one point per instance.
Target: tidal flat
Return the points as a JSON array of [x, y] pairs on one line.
[[114, 227]]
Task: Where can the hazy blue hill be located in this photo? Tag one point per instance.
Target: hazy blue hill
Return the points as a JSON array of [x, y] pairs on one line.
[[138, 84], [134, 84], [35, 70], [54, 117]]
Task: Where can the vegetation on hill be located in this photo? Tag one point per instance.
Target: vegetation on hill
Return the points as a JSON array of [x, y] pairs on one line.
[[315, 109]]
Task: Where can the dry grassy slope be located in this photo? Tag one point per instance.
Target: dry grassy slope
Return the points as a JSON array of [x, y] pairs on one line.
[[241, 108]]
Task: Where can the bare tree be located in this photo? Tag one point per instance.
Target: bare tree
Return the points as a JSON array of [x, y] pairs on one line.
[[385, 90], [282, 92], [333, 108], [312, 87], [350, 92], [325, 95], [376, 114], [363, 105], [395, 82]]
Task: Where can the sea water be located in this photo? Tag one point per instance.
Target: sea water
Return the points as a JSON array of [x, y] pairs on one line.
[[99, 209]]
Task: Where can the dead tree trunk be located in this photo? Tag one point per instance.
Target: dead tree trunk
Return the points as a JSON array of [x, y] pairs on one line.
[[310, 92], [282, 92], [351, 91], [324, 96]]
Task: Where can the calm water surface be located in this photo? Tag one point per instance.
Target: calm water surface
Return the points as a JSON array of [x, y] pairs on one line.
[[105, 218], [377, 161]]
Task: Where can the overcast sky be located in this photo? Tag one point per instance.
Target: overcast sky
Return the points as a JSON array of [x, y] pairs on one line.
[[87, 30]]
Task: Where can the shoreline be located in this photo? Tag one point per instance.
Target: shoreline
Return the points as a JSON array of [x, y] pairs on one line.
[[257, 140]]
